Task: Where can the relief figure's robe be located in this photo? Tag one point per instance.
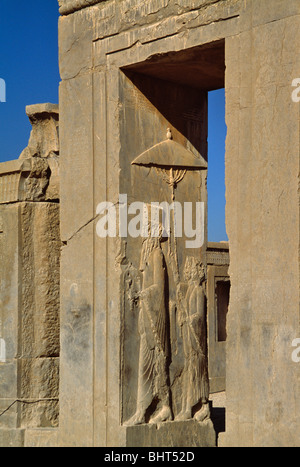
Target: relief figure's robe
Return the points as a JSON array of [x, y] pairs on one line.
[[153, 330]]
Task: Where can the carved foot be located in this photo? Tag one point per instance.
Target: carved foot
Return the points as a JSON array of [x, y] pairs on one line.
[[163, 415], [203, 414], [137, 419]]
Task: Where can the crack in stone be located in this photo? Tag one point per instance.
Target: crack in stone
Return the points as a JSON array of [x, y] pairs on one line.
[[65, 242]]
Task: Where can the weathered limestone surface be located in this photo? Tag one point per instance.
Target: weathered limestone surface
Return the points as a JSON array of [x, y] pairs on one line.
[[174, 434], [29, 313], [129, 88], [123, 114], [41, 437], [103, 48], [12, 438]]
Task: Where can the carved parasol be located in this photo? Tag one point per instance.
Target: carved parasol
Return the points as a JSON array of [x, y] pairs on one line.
[[171, 161]]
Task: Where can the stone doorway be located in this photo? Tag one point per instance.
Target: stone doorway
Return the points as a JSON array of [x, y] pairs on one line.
[[168, 91]]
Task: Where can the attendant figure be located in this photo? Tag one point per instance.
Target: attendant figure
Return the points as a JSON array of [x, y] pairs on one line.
[[192, 319]]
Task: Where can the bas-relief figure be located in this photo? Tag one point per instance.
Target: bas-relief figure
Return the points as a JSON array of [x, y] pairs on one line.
[[154, 392], [192, 320], [153, 379]]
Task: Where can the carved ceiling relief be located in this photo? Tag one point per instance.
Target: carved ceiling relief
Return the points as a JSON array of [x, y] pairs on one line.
[[165, 342]]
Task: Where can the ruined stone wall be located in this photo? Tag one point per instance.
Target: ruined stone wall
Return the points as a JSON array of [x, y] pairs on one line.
[[105, 51], [99, 39], [30, 260]]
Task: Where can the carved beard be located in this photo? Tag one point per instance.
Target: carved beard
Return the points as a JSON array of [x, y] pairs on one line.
[[148, 246]]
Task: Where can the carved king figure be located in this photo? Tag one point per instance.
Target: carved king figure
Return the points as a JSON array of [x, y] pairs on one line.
[[153, 380]]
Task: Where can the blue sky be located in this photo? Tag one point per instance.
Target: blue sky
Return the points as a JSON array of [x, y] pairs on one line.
[[29, 66], [216, 166]]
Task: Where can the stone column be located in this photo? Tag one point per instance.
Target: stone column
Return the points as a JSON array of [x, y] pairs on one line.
[[29, 316]]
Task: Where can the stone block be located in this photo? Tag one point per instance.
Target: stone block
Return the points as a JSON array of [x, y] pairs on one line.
[[9, 411], [175, 434], [41, 438], [12, 438]]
